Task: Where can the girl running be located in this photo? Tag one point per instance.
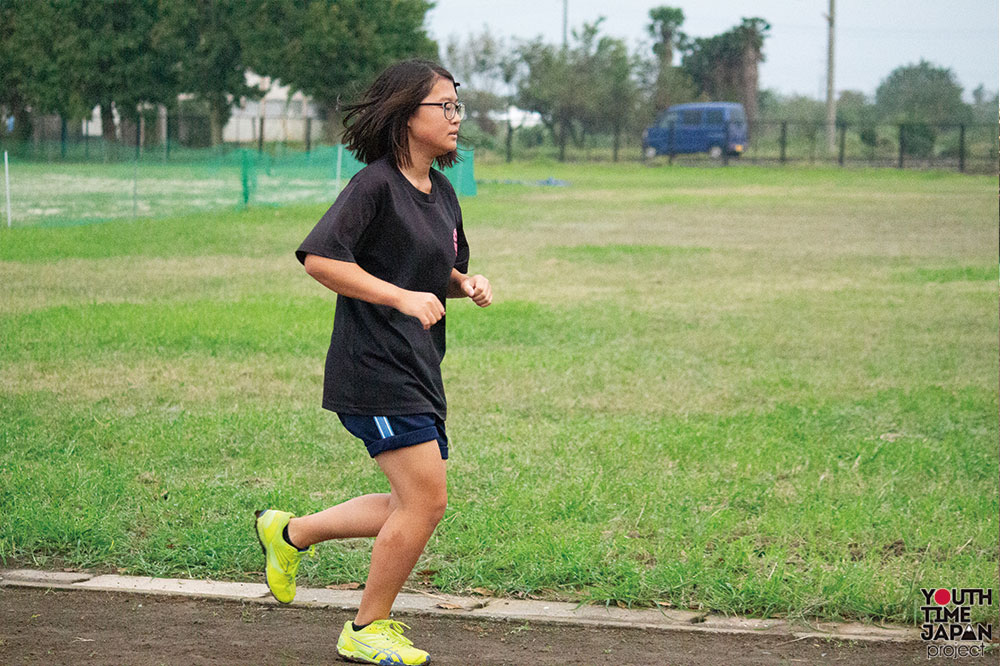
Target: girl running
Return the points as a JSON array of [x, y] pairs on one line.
[[393, 249]]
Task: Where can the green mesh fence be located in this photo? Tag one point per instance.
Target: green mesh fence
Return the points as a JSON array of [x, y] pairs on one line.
[[76, 191]]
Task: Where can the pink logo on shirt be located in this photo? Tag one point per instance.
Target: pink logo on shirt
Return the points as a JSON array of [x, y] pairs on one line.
[[454, 236]]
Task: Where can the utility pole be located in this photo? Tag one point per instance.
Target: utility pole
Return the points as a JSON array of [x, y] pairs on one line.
[[831, 102], [565, 22]]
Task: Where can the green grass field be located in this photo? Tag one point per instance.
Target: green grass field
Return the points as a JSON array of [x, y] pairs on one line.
[[760, 391]]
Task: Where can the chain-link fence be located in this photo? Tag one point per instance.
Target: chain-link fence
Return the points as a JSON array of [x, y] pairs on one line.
[[111, 138], [280, 127], [971, 148], [960, 147]]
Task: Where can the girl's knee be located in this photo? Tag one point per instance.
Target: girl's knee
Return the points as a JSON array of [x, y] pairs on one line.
[[437, 505], [430, 504]]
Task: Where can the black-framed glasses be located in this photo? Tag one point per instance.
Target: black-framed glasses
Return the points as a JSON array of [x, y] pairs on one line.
[[451, 109]]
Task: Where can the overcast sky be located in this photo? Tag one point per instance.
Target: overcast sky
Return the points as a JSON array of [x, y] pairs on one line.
[[873, 36]]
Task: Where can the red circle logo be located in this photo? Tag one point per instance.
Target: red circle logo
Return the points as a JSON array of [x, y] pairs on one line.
[[943, 597]]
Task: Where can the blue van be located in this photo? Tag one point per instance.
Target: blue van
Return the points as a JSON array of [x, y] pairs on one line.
[[704, 127]]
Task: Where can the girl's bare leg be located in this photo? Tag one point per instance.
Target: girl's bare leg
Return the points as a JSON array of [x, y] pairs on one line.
[[417, 476], [359, 517]]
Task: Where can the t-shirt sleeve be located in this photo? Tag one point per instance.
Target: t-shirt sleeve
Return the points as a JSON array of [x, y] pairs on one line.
[[338, 232], [462, 254], [461, 244]]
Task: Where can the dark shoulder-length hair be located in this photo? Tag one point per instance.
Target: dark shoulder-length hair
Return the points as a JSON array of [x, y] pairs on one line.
[[376, 125]]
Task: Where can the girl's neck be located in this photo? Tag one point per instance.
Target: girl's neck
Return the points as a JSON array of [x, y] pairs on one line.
[[419, 170]]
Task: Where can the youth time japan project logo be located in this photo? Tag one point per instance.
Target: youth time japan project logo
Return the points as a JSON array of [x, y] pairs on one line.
[[947, 616]]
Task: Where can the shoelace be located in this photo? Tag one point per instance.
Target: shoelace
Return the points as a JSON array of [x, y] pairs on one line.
[[395, 630], [292, 563]]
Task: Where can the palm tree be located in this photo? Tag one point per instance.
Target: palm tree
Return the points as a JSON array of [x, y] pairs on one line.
[[749, 40], [665, 29]]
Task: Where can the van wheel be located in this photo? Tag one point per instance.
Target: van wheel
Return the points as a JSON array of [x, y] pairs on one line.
[[650, 152], [715, 152]]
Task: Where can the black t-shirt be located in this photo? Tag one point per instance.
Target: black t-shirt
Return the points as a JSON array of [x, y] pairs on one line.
[[382, 362]]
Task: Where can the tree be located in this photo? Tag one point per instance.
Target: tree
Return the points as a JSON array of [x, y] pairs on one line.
[[806, 117], [851, 104], [40, 58], [208, 37], [584, 88], [544, 86], [749, 37], [13, 102], [66, 57], [622, 88], [480, 64], [918, 97], [712, 63], [725, 66], [921, 93], [664, 28], [487, 68], [330, 49], [121, 57], [984, 105], [672, 85], [793, 108], [9, 81], [854, 110], [613, 97]]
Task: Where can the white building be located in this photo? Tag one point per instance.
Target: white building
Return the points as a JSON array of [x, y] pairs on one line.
[[286, 115]]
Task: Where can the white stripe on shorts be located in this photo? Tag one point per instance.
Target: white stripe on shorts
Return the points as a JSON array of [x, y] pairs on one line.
[[383, 426]]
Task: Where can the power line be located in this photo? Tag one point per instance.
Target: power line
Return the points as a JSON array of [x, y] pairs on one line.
[[887, 30]]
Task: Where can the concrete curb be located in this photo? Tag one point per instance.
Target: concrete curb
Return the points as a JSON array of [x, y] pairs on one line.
[[487, 608]]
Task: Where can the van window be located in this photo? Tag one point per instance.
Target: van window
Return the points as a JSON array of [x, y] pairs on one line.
[[713, 117], [691, 117], [668, 119], [737, 116]]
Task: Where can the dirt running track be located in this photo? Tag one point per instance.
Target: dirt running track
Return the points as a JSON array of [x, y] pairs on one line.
[[39, 626]]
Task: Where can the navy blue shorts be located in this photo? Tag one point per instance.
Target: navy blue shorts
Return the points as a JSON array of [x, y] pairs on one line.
[[385, 433]]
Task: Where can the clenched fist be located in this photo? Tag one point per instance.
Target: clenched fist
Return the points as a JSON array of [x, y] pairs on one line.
[[424, 306], [478, 288]]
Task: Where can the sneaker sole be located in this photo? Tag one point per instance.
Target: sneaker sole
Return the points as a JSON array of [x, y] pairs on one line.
[[367, 661]]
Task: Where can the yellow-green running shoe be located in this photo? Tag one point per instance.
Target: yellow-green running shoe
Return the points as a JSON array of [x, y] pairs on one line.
[[381, 642], [282, 559]]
